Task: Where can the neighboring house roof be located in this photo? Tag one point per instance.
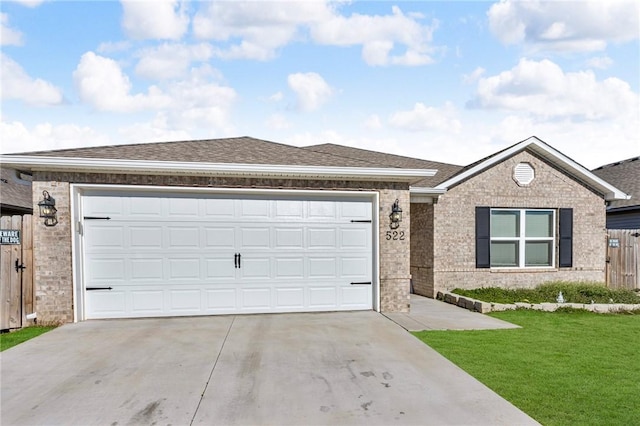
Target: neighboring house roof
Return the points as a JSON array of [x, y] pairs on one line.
[[15, 191], [444, 170], [549, 154], [242, 156], [626, 176]]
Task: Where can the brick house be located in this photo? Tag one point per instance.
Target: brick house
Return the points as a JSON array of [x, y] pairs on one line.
[[243, 225]]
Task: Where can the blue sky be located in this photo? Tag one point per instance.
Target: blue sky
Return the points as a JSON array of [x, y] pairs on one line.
[[446, 81]]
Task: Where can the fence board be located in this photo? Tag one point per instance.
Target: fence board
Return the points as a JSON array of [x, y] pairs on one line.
[[623, 259], [5, 278], [17, 296]]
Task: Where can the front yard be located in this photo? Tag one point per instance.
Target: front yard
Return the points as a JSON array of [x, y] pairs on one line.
[[568, 367], [9, 340]]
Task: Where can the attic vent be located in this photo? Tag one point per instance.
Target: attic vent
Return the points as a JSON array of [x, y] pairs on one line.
[[523, 174]]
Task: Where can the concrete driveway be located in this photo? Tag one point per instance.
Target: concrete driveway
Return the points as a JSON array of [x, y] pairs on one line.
[[302, 369]]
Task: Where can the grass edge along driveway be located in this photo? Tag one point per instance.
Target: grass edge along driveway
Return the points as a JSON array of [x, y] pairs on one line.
[[9, 340], [570, 367]]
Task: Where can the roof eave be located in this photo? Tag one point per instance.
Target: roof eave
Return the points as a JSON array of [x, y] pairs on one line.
[[608, 191], [97, 165]]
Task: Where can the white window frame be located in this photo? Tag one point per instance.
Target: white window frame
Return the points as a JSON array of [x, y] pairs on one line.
[[522, 239]]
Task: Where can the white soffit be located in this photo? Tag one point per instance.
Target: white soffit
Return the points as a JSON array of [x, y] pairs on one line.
[[552, 156], [98, 165]]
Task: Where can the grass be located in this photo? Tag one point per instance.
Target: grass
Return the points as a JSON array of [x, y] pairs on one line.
[[562, 368], [9, 340], [572, 292]]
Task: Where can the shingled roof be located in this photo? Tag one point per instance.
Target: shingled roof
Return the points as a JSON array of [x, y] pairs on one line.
[[15, 191], [381, 159], [624, 175], [240, 150]]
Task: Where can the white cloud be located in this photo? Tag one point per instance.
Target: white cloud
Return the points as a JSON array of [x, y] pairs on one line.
[[379, 36], [17, 84], [424, 118], [545, 90], [373, 122], [256, 30], [102, 84], [8, 36], [474, 76], [16, 137], [156, 130], [155, 19], [170, 60], [565, 26], [276, 97], [29, 3], [112, 47], [261, 27], [311, 89], [600, 62]]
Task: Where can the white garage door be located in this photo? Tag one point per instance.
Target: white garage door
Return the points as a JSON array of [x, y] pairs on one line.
[[158, 255]]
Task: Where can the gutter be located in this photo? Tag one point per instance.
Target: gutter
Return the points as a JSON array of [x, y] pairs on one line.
[[100, 165]]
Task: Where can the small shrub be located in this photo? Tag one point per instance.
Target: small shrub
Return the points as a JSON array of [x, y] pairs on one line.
[[572, 292]]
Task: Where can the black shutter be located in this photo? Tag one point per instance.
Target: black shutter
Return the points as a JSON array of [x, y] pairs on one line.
[[483, 237], [565, 246]]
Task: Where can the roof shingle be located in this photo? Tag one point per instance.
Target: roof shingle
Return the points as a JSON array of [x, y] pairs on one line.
[[624, 175]]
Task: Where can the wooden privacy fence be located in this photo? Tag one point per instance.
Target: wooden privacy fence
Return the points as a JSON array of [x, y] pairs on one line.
[[623, 258], [16, 271]]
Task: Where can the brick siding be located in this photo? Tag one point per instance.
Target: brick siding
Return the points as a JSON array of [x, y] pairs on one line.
[[52, 245], [454, 226]]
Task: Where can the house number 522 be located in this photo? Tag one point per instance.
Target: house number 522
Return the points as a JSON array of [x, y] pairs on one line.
[[395, 235]]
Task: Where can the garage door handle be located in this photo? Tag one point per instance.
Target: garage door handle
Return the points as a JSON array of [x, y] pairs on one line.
[[99, 288], [235, 260], [361, 283], [239, 260], [97, 218]]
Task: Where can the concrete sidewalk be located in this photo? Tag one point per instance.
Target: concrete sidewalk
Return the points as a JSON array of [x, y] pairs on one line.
[[343, 368], [431, 314]]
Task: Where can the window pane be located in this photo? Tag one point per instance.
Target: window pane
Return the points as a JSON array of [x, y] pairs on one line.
[[504, 253], [537, 253], [539, 224], [505, 223]]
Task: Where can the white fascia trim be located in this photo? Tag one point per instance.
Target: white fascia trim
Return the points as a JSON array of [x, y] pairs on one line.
[[424, 195], [98, 165], [608, 191]]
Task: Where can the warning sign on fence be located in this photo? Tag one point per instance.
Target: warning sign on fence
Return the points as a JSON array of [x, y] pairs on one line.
[[9, 236]]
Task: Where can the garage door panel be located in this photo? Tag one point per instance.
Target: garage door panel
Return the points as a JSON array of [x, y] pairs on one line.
[[220, 238], [175, 255], [255, 267], [147, 302], [182, 236], [145, 237], [290, 298], [106, 237], [355, 296], [107, 304], [106, 270], [146, 269], [185, 300], [184, 268], [322, 238], [322, 267], [181, 207], [289, 238], [223, 299], [323, 297], [149, 207], [220, 269], [256, 298], [289, 268], [255, 238], [254, 209]]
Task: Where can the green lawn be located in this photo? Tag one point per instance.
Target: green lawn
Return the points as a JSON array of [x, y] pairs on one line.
[[562, 368], [8, 340]]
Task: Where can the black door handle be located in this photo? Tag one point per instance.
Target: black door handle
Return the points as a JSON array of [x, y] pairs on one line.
[[239, 260], [235, 260], [20, 266]]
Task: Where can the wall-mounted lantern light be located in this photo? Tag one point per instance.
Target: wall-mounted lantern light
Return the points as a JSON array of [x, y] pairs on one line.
[[396, 215], [48, 209]]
